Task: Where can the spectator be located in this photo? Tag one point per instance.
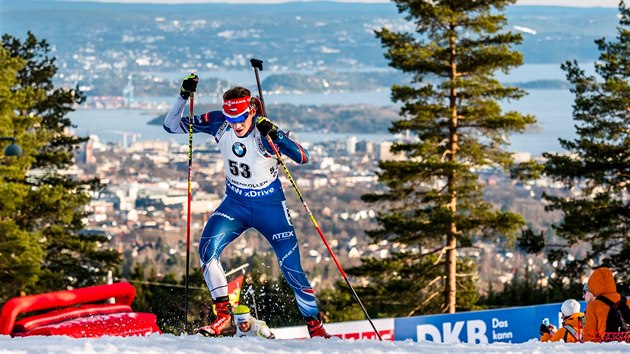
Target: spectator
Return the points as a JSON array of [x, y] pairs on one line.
[[601, 283], [571, 330]]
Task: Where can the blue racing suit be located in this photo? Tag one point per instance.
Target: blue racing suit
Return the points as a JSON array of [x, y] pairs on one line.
[[253, 199]]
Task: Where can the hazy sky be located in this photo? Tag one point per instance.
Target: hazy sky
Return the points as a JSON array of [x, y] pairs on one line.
[[576, 3]]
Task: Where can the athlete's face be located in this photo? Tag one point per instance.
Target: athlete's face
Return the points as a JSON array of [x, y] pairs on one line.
[[244, 326], [240, 129]]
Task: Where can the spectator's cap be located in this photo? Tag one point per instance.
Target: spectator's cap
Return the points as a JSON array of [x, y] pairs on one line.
[[585, 288], [241, 314], [570, 307]]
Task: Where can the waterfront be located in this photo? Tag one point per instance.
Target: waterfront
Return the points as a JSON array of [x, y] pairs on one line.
[[551, 107]]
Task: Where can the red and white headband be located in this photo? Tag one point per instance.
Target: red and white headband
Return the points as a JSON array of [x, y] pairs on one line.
[[236, 110]]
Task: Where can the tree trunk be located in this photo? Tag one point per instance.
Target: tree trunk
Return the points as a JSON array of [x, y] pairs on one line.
[[451, 269], [450, 292]]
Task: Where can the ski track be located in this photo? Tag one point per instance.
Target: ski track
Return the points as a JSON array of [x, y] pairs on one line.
[[171, 344]]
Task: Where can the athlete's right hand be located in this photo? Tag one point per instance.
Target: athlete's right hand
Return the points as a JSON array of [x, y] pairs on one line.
[[189, 85], [266, 127]]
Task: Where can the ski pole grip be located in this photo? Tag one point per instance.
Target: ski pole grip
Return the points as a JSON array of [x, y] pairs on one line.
[[257, 63]]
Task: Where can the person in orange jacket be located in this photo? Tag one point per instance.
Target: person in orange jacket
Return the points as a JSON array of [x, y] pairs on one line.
[[571, 330], [601, 282]]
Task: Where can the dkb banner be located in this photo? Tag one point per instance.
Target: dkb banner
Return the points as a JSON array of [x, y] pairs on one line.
[[514, 325]]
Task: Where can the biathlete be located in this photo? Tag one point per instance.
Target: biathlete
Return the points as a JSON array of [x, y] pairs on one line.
[[253, 198]]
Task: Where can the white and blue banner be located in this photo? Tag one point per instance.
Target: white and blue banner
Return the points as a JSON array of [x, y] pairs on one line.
[[512, 325]]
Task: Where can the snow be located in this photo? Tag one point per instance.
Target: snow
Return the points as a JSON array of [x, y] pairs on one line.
[[171, 344]]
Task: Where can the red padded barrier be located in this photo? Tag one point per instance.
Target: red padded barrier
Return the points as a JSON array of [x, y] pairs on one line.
[[101, 316], [118, 324], [68, 313]]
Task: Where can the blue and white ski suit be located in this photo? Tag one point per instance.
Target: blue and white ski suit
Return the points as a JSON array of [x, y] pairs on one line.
[[253, 198]]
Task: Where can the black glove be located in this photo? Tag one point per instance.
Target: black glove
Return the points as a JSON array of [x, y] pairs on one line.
[[544, 329], [189, 85], [265, 127]]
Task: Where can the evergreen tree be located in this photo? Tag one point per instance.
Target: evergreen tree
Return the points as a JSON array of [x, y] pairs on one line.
[[52, 204], [20, 252], [433, 202], [525, 290], [164, 297], [597, 165]]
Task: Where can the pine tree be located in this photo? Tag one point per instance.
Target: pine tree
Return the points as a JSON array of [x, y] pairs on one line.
[[53, 204], [597, 165], [20, 253], [433, 204]]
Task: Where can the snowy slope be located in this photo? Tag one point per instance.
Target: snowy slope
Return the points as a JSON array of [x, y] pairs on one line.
[[170, 344]]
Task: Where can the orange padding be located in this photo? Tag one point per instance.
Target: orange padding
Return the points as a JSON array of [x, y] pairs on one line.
[[68, 313]]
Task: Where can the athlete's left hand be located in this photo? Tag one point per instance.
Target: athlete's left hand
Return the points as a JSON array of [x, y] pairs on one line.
[[266, 127]]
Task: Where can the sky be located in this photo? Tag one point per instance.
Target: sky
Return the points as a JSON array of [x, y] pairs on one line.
[[170, 344], [575, 3]]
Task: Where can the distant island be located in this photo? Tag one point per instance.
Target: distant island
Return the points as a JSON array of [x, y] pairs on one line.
[[541, 85], [325, 81], [358, 119]]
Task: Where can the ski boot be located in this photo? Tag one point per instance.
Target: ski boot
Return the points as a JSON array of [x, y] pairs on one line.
[[223, 325], [316, 327]]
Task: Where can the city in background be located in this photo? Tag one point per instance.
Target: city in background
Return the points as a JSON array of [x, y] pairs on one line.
[[129, 60]]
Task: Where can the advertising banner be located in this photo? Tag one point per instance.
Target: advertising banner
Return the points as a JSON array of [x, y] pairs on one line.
[[512, 325], [349, 330]]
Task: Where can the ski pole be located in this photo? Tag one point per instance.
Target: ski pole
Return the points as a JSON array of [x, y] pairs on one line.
[[257, 65], [190, 156]]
